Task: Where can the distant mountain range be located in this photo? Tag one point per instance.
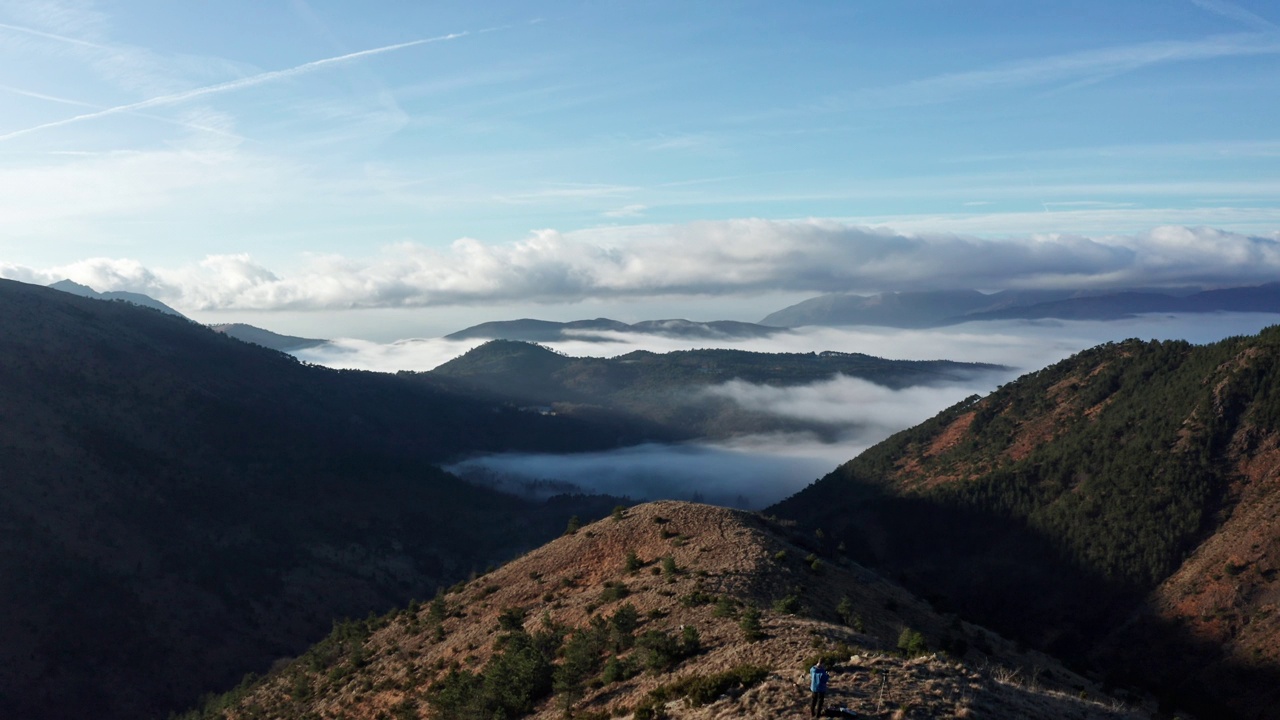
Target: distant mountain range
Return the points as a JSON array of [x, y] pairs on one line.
[[239, 331], [670, 390], [76, 288], [266, 338], [940, 308], [593, 330]]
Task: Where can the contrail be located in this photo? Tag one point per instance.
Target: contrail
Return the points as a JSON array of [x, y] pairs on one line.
[[42, 96], [51, 36], [230, 85], [68, 101]]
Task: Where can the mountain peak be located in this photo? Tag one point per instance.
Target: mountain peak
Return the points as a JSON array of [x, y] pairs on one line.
[[75, 288]]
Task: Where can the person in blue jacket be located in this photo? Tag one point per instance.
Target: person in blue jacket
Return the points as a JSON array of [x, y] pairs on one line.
[[818, 688]]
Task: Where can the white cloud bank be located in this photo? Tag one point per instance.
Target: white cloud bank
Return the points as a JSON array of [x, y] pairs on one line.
[[704, 258], [757, 471]]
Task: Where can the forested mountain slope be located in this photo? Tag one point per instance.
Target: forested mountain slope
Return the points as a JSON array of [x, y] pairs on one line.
[[1119, 507], [178, 507], [667, 610]]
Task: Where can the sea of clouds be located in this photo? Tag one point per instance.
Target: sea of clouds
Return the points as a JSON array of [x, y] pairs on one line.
[[756, 471]]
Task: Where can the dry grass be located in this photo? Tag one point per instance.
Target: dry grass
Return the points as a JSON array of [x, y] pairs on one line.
[[719, 553]]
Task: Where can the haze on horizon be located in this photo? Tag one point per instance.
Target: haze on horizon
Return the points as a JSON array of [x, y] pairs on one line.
[[404, 171]]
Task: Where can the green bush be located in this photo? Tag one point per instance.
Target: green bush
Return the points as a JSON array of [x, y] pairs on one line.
[[511, 619], [613, 591], [912, 643], [632, 562], [750, 624], [789, 605], [725, 608]]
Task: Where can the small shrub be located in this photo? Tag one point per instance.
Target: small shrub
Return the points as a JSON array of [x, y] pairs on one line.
[[511, 619], [658, 651], [750, 624], [619, 512], [690, 641], [780, 556], [614, 591], [696, 598], [725, 608], [789, 605], [632, 563]]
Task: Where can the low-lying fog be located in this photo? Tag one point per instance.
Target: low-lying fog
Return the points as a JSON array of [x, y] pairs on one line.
[[756, 471]]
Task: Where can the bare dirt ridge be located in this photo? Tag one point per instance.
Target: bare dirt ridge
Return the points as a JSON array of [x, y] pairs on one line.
[[694, 561]]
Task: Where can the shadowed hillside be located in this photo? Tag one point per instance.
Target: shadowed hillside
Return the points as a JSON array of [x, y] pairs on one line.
[[179, 507], [605, 330], [671, 390], [1119, 507], [266, 338], [667, 610]]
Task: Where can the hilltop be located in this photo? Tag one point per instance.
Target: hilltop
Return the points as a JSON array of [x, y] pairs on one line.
[[642, 616], [138, 299], [1121, 508]]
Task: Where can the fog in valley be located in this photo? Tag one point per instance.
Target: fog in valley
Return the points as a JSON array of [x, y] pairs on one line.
[[755, 471]]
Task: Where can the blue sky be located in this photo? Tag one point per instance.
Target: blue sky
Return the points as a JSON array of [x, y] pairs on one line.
[[306, 156]]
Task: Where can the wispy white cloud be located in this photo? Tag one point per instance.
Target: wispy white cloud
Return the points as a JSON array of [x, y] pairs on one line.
[[79, 193], [1237, 13], [566, 191], [626, 211], [53, 36], [231, 85], [1072, 68]]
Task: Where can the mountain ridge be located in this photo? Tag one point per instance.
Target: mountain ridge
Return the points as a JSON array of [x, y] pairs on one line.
[[266, 338], [671, 390], [530, 330], [926, 309], [1120, 500], [75, 288], [684, 577]]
